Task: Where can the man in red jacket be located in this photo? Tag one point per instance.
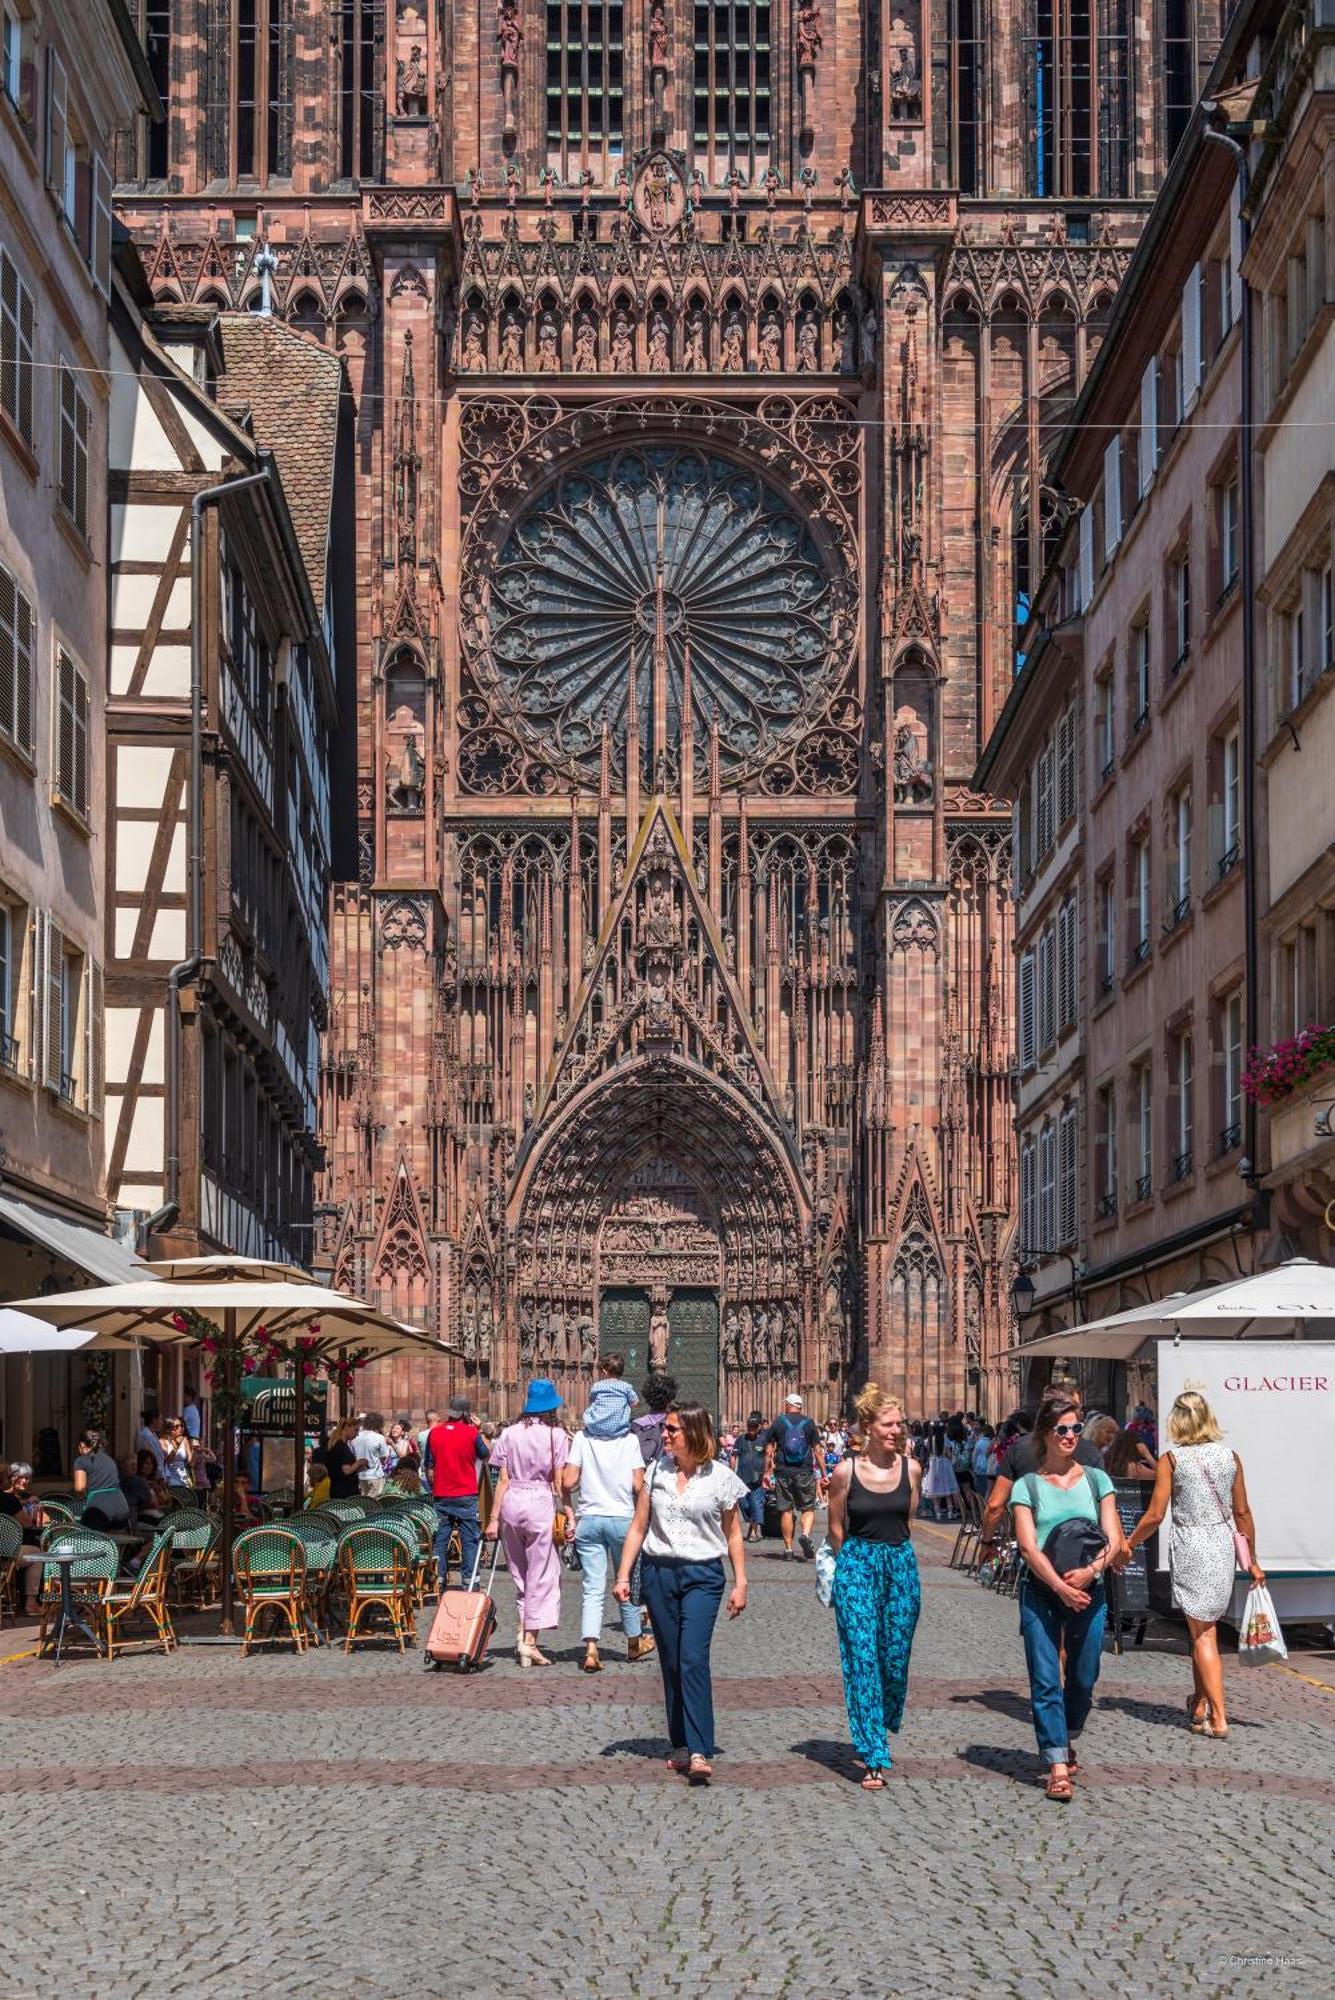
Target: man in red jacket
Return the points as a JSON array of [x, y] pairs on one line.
[[454, 1451]]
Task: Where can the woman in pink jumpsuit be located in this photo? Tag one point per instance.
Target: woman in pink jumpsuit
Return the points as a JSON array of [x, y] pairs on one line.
[[528, 1456]]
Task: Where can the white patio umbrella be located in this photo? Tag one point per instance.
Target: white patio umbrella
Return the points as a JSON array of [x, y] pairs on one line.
[[224, 1291], [1266, 1303], [20, 1333]]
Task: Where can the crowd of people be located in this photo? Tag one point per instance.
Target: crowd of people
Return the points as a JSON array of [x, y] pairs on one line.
[[659, 1502], [646, 1495]]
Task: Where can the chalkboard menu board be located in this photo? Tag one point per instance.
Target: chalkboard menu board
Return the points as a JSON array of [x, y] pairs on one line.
[[1131, 1597]]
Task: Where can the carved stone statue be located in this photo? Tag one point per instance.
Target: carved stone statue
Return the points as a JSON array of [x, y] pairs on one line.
[[774, 1338], [732, 354], [658, 36], [790, 1338], [468, 1325], [808, 345], [905, 80], [587, 1334], [844, 342], [695, 358], [770, 344], [556, 1334], [410, 778], [809, 38], [410, 84], [869, 339], [623, 345], [912, 766], [732, 1339], [549, 349], [509, 34], [658, 1338], [512, 343], [528, 1334], [660, 343], [586, 344], [484, 1332], [473, 351], [747, 1337]]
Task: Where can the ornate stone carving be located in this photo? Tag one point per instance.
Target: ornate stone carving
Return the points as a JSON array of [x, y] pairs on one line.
[[903, 70]]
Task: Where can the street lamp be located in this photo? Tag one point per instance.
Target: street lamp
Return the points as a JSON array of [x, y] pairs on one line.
[[1022, 1294]]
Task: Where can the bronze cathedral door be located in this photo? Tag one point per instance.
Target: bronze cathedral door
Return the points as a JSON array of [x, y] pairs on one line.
[[693, 1354]]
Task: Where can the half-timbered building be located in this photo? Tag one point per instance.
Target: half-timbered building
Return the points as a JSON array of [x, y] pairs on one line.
[[218, 841]]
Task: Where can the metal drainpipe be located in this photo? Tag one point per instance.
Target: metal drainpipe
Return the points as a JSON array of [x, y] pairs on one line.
[[189, 967], [1247, 1166]]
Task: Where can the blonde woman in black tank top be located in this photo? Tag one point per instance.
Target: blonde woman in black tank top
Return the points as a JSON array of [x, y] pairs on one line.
[[876, 1590]]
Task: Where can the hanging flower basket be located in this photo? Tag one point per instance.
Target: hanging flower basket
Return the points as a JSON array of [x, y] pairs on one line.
[[1273, 1074]]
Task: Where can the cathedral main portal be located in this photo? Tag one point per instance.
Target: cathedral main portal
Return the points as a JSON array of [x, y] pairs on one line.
[[659, 1273]]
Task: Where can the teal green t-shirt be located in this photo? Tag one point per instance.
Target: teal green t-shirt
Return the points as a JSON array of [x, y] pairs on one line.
[[1056, 1503]]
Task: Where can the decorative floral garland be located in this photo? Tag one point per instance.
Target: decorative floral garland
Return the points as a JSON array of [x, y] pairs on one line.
[[1273, 1074], [259, 1352]]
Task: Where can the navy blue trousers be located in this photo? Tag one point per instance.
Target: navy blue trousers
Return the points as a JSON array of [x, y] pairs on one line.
[[683, 1599]]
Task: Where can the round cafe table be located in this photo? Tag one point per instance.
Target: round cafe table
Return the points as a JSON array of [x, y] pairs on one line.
[[69, 1620]]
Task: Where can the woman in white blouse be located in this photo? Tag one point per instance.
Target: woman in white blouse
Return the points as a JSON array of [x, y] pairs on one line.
[[686, 1521]]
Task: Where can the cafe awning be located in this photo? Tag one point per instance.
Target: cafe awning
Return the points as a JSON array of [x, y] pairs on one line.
[[97, 1255]]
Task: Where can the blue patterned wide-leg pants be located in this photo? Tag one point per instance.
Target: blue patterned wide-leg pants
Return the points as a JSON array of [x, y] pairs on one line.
[[877, 1598]]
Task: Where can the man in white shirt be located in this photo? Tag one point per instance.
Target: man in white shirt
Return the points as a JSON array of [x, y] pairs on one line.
[[610, 1474], [371, 1445]]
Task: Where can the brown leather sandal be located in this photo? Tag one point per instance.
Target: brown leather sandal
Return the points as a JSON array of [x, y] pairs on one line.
[[1059, 1788]]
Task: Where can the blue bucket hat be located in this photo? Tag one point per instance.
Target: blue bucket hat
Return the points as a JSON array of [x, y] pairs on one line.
[[542, 1398]]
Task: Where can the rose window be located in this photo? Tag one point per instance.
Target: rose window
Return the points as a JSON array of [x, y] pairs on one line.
[[654, 553]]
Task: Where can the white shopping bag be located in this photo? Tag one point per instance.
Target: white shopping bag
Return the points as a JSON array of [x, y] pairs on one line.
[[1259, 1636], [825, 1560]]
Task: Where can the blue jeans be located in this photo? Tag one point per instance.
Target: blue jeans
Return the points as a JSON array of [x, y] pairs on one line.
[[460, 1513], [598, 1542], [752, 1505], [1060, 1711], [683, 1599]]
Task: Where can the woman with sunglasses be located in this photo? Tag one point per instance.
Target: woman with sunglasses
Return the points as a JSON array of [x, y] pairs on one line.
[[686, 1520], [1062, 1604]]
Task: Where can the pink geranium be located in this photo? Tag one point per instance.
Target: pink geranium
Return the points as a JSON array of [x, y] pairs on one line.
[[1273, 1074]]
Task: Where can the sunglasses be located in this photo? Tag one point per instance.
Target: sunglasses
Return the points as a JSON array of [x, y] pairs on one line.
[[673, 1430], [1066, 1430]]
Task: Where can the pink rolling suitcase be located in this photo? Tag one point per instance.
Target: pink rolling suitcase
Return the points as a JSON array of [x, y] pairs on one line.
[[464, 1622]]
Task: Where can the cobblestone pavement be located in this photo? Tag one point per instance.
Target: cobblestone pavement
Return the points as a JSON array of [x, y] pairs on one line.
[[331, 1826]]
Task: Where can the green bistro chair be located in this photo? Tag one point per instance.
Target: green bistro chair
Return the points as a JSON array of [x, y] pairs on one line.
[[93, 1496], [375, 1567], [346, 1512], [269, 1569], [11, 1544], [424, 1539], [194, 1569], [92, 1577], [319, 1538], [57, 1510], [143, 1596]]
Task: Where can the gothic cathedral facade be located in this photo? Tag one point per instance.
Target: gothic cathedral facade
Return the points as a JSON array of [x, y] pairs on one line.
[[705, 361]]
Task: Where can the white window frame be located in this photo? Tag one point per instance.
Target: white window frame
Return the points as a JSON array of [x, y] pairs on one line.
[[1228, 532], [1184, 1107], [1182, 845], [1231, 1038], [1231, 792], [1140, 852]]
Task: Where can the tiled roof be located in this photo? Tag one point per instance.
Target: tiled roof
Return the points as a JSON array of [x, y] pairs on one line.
[[291, 387]]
